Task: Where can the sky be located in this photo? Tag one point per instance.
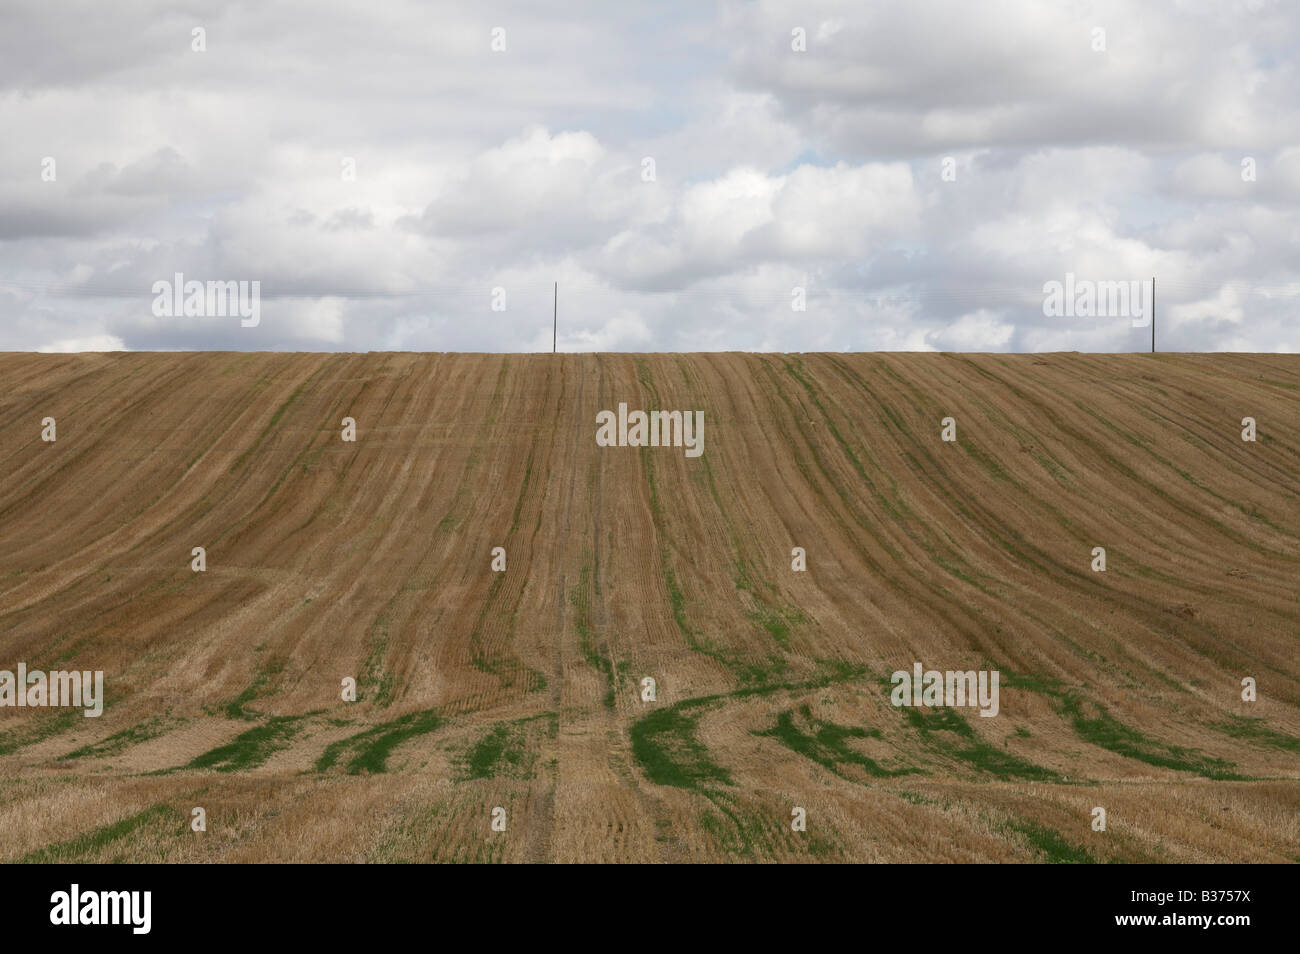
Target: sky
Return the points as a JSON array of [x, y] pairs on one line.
[[696, 176]]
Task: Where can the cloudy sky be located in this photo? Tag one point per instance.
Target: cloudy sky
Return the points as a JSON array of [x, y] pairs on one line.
[[390, 171]]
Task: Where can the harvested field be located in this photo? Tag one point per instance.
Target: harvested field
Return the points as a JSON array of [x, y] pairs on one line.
[[522, 689]]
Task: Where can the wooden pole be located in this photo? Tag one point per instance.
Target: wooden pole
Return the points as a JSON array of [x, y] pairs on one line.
[[555, 315], [1153, 314]]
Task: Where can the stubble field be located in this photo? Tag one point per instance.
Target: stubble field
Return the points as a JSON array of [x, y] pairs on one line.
[[522, 689]]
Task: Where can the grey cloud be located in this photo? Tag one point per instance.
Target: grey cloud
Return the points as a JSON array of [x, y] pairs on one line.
[[775, 169]]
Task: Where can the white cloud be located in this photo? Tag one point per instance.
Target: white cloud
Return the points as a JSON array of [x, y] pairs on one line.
[[92, 343], [774, 168]]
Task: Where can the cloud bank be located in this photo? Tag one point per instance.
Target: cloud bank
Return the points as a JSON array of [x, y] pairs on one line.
[[736, 176]]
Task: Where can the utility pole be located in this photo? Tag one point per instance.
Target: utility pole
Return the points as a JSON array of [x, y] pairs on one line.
[[1153, 315], [555, 315]]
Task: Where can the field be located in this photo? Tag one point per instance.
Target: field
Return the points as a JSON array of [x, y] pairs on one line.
[[328, 559]]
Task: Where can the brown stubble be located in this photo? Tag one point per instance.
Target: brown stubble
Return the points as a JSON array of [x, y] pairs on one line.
[[328, 559]]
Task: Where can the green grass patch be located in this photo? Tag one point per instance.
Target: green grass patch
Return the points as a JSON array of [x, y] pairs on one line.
[[1092, 723], [827, 743], [1104, 731], [235, 708], [735, 833], [504, 752], [587, 638], [370, 749], [248, 749], [1004, 765], [1048, 843], [119, 741], [664, 743], [1044, 685], [1253, 730], [973, 751], [777, 622], [82, 845], [39, 730], [937, 719]]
